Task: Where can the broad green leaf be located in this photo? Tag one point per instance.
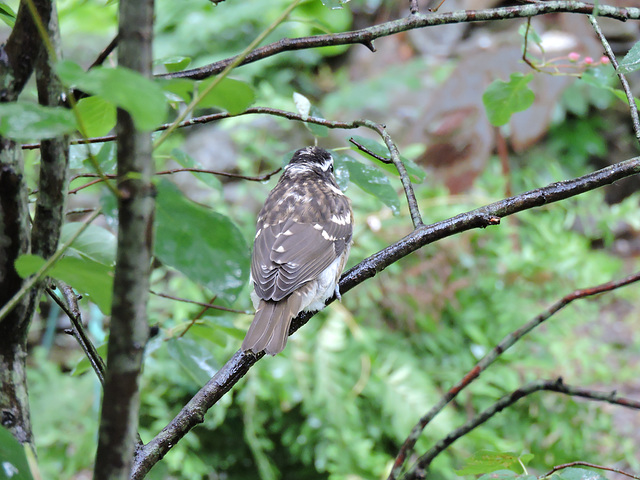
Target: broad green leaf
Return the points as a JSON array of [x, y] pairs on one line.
[[83, 365], [92, 279], [334, 4], [141, 97], [7, 15], [503, 99], [532, 35], [577, 474], [187, 161], [196, 359], [13, 459], [485, 461], [29, 121], [79, 153], [317, 130], [416, 174], [341, 172], [98, 115], [631, 61], [174, 64], [178, 89], [371, 180], [204, 245], [231, 95], [95, 243]]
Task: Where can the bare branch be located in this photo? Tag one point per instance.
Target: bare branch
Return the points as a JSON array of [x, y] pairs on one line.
[[506, 343], [587, 464], [259, 178], [366, 36], [202, 304], [193, 413], [419, 470], [73, 312], [105, 53]]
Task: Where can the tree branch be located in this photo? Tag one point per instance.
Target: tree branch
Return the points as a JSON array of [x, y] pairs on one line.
[[587, 464], [193, 413], [506, 343], [73, 312], [366, 36], [419, 470]]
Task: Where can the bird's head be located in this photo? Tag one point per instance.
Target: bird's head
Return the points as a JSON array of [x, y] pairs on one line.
[[311, 159]]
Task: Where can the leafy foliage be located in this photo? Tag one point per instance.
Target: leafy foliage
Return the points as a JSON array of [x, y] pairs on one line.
[[344, 395]]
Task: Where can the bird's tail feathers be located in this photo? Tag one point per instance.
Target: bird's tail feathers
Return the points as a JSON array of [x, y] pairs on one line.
[[270, 327]]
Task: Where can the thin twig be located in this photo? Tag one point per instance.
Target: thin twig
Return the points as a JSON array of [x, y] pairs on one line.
[[587, 464], [633, 109], [73, 312], [414, 210], [361, 147], [202, 304], [418, 471], [259, 178], [105, 53], [507, 342]]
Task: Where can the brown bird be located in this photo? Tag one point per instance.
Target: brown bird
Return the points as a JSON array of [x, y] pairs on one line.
[[303, 238]]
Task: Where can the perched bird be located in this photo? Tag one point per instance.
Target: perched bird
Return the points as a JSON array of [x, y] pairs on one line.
[[303, 238]]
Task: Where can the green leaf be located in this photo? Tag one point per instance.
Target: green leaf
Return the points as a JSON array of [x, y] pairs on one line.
[[187, 161], [371, 180], [503, 99], [95, 243], [317, 130], [13, 459], [577, 474], [92, 279], [416, 174], [231, 95], [178, 89], [485, 461], [29, 121], [174, 63], [7, 15], [204, 245], [141, 97], [631, 61], [98, 115], [196, 359]]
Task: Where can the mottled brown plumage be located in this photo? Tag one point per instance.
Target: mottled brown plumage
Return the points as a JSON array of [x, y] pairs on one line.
[[303, 237]]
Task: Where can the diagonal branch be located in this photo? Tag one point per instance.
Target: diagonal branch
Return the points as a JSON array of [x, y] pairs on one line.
[[73, 312], [366, 36], [419, 470], [506, 343], [193, 413]]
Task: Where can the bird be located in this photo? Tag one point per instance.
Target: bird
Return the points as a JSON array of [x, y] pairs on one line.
[[303, 237]]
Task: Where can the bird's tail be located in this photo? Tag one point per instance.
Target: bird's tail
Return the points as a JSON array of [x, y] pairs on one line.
[[270, 327]]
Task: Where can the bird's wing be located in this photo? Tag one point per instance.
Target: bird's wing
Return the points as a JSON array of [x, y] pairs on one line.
[[290, 253]]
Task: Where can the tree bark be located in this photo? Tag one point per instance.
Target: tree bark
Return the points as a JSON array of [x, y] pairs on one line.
[[19, 55], [129, 326]]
